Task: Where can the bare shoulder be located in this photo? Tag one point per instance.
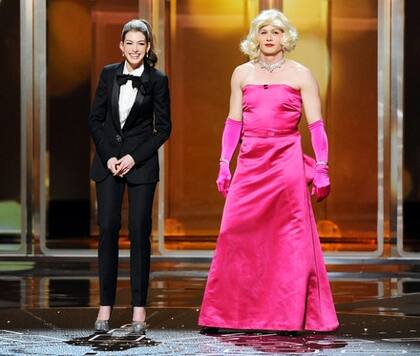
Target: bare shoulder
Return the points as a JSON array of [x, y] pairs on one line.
[[244, 68], [242, 71], [303, 74]]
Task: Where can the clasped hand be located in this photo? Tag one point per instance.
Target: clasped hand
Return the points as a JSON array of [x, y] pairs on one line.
[[120, 167]]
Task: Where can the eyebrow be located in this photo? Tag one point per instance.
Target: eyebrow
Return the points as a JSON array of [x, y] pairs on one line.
[[273, 29], [140, 41]]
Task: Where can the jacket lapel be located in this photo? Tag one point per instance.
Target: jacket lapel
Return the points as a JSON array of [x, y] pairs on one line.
[[144, 89], [115, 98]]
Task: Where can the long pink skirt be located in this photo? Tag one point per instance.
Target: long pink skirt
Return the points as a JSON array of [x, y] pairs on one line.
[[268, 271]]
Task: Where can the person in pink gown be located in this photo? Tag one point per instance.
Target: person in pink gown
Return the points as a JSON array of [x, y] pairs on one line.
[[268, 271]]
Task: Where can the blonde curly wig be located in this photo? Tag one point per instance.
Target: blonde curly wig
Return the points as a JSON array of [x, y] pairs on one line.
[[275, 18]]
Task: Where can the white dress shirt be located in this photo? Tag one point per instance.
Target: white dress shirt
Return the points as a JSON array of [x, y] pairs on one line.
[[128, 94]]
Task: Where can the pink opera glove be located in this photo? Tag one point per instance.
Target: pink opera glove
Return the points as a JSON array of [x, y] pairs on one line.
[[321, 184], [230, 139], [223, 178]]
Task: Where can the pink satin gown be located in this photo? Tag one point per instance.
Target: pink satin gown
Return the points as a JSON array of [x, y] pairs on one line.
[[268, 271]]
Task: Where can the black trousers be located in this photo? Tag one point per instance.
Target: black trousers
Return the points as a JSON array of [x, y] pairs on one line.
[[140, 201]]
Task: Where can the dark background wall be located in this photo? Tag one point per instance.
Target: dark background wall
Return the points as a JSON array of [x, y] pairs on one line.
[[10, 99], [69, 53], [412, 125]]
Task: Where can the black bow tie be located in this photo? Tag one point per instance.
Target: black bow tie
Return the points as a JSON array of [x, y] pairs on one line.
[[135, 81]]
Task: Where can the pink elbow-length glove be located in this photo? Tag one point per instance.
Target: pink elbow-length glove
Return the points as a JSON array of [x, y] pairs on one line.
[[321, 183], [230, 139]]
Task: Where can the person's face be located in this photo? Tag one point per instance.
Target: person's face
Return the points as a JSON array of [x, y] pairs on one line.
[[270, 39], [134, 48]]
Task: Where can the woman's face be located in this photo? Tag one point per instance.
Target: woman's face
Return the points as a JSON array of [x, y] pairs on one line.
[[270, 40], [134, 48]]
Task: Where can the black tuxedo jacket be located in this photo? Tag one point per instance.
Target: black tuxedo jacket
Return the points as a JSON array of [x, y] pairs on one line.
[[147, 127]]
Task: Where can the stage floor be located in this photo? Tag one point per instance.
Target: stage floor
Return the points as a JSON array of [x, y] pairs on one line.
[[48, 308]]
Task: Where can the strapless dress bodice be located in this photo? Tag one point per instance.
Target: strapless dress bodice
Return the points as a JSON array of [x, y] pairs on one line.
[[271, 108]]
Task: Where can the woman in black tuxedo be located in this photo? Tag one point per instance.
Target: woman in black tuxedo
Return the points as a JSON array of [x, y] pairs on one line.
[[129, 121]]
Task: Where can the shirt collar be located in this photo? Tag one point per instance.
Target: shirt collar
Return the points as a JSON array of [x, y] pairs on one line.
[[136, 72]]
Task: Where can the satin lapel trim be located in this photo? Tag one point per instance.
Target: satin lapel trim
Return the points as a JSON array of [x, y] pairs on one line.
[[139, 98], [134, 109], [115, 99]]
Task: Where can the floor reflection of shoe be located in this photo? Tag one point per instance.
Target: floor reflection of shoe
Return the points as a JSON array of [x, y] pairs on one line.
[[101, 326], [209, 331], [287, 333], [138, 327]]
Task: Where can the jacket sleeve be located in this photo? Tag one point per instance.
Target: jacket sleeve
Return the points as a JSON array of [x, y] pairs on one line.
[[162, 122], [96, 121]]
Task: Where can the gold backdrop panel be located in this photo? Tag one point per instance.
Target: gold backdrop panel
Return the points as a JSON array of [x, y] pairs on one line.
[[76, 52], [203, 51], [352, 118], [338, 42]]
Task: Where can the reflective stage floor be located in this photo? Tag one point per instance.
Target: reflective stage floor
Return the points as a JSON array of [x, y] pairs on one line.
[[48, 308]]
